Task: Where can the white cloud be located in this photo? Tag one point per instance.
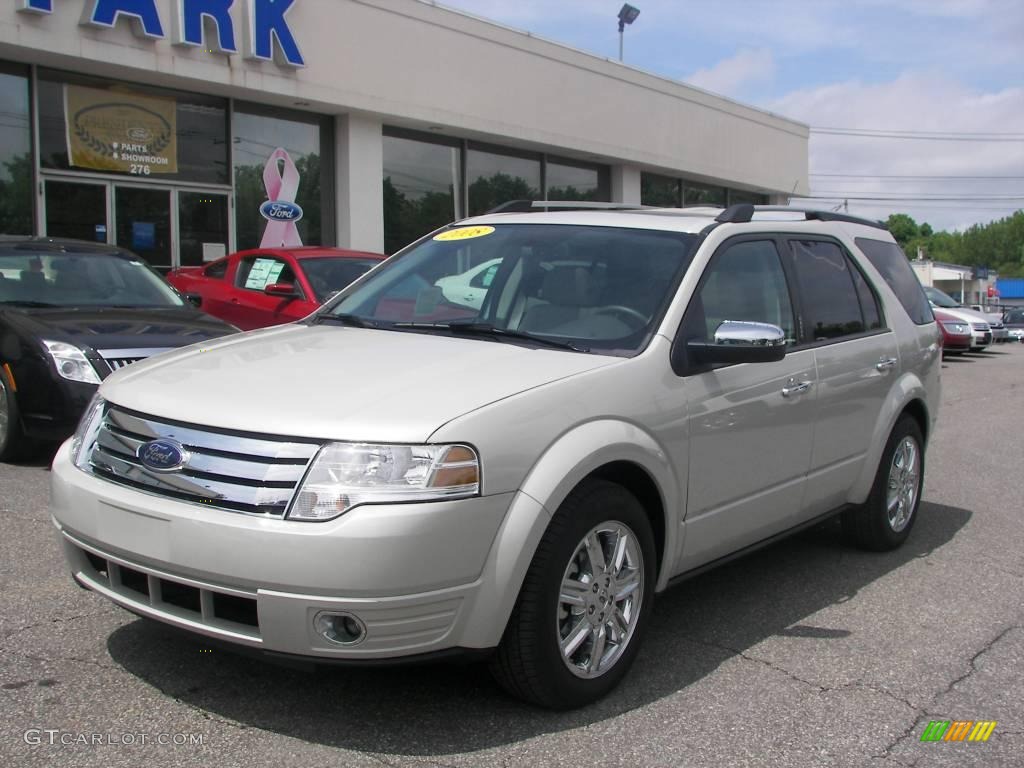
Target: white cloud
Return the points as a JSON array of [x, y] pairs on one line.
[[731, 77], [915, 102]]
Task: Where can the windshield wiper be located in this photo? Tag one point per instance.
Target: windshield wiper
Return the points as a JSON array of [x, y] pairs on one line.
[[477, 328], [32, 304], [354, 321]]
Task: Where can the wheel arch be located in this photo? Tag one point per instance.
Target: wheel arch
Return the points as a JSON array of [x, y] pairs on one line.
[[908, 396]]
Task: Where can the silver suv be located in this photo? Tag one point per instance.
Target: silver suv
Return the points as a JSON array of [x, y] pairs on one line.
[[631, 396]]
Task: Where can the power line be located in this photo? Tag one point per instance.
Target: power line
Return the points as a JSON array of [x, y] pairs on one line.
[[873, 133], [910, 177]]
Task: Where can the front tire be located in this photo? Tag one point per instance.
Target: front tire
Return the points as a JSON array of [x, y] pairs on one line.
[[12, 441], [883, 522], [584, 605]]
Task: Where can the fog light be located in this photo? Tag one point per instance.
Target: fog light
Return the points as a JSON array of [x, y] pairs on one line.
[[339, 628]]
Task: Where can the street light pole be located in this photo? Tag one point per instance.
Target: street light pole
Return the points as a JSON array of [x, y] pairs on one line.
[[627, 15]]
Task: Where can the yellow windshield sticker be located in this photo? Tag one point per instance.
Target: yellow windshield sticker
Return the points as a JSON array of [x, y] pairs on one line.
[[464, 233]]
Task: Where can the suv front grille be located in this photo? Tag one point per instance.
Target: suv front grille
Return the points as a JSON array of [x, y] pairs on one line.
[[226, 470]]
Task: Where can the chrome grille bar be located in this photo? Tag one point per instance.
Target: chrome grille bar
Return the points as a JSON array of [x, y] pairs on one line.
[[224, 470]]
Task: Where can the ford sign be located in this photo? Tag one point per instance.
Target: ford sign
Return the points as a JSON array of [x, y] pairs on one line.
[[162, 455], [279, 210]]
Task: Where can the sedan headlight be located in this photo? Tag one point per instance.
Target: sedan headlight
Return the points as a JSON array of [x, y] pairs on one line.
[[959, 328], [85, 435], [345, 475], [71, 362]]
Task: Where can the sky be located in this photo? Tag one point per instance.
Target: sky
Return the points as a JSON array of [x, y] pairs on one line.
[[942, 80]]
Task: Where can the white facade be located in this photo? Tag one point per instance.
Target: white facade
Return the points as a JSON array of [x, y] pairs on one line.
[[415, 65]]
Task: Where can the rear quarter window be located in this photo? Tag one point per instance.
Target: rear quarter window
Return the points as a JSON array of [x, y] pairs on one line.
[[892, 264]]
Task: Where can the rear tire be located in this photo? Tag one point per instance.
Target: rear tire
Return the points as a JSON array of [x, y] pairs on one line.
[[585, 602], [883, 522]]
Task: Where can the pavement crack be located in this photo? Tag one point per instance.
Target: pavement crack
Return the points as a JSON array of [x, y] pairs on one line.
[[7, 635], [972, 667]]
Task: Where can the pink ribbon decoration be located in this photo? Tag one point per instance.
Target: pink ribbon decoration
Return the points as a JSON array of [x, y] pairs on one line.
[[282, 187]]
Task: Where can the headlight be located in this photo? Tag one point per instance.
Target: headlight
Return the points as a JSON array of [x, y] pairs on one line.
[[344, 475], [955, 327], [85, 435], [71, 362]]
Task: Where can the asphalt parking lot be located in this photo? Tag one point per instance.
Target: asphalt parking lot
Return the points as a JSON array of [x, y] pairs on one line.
[[807, 653]]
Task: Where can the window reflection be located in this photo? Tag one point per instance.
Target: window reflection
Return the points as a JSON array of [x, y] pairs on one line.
[[256, 136], [570, 182], [660, 191], [496, 178], [420, 183], [15, 155]]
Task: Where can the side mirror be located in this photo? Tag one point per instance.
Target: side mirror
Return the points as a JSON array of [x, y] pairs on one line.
[[737, 341], [194, 299], [281, 290]]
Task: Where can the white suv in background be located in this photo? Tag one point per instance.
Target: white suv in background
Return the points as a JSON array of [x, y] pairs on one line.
[[637, 396]]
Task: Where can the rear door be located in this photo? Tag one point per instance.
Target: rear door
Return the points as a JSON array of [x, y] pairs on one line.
[[857, 360]]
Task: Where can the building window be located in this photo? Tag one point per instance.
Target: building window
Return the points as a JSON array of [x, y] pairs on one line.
[[422, 179], [568, 181], [263, 175], [15, 152], [89, 124], [495, 177], [701, 194], [742, 196], [660, 191]]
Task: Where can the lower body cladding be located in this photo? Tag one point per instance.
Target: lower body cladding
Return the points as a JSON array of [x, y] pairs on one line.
[[380, 582]]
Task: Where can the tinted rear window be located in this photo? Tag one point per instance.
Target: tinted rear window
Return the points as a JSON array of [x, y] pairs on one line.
[[892, 264]]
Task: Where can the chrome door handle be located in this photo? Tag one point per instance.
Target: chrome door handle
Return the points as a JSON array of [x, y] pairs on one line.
[[796, 387], [886, 363]]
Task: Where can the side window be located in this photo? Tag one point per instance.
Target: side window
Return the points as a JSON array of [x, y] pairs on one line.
[[868, 301], [217, 270], [745, 281], [828, 297], [890, 262], [257, 272]]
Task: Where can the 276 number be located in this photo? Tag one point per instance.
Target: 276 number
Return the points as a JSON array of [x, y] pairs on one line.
[[138, 170]]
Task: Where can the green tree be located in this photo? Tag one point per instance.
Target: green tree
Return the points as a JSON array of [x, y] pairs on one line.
[[904, 229]]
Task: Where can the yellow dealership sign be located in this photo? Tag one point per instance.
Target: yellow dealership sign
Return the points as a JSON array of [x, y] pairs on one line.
[[120, 131]]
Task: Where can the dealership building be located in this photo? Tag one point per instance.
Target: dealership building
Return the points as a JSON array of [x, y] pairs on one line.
[[182, 128]]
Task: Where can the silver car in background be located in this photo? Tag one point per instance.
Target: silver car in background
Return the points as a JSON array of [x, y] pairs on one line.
[[630, 398]]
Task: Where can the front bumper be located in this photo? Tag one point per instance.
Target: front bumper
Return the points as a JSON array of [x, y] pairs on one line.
[[410, 572], [981, 339]]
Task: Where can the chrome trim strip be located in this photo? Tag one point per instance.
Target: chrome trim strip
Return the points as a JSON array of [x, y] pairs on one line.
[[150, 429], [138, 353]]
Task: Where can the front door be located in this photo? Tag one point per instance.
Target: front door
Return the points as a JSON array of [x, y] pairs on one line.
[[143, 223], [167, 227], [751, 425]]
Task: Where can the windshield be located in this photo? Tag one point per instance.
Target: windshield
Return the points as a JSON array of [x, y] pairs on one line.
[[68, 279], [328, 275], [600, 289], [939, 299]]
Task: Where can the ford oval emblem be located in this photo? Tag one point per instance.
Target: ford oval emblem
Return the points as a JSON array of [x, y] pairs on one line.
[[279, 210], [162, 455]]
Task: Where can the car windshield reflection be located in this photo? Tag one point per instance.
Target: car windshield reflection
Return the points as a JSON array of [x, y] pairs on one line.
[[602, 289], [69, 279]]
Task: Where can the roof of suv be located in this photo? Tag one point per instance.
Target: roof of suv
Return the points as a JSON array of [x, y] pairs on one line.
[[692, 219]]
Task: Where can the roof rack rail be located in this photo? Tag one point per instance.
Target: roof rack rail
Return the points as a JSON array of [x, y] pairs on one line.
[[744, 212], [528, 206]]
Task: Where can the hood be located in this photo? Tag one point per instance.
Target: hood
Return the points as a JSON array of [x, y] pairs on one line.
[[98, 328], [963, 313], [338, 383]]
